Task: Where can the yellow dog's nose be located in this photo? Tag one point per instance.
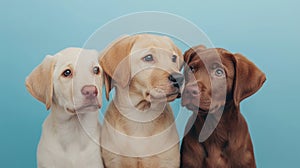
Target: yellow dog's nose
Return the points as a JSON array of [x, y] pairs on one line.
[[176, 79]]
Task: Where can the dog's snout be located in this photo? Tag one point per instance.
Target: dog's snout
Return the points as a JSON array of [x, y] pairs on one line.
[[176, 79], [192, 90], [89, 91]]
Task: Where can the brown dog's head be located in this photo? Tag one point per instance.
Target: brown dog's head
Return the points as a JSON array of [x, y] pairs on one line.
[[149, 65], [233, 77]]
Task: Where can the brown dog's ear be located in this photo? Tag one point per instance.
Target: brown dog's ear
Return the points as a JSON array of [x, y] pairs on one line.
[[190, 53], [248, 78], [40, 81], [116, 58]]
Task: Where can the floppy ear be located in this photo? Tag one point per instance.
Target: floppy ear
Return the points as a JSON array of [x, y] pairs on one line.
[[248, 78], [40, 81], [190, 53], [116, 58], [107, 83]]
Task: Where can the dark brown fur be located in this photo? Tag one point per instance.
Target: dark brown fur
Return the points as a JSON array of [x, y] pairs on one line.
[[230, 143]]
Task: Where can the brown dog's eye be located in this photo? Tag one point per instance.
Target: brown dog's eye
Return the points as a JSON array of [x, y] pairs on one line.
[[174, 58], [148, 58], [67, 73], [219, 72], [96, 70]]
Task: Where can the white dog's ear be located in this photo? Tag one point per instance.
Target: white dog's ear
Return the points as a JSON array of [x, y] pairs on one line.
[[115, 60], [40, 81]]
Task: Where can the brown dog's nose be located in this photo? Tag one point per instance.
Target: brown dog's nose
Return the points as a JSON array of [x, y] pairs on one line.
[[191, 90], [176, 79], [89, 91]]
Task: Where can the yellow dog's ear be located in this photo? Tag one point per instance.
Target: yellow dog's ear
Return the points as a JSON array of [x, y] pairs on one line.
[[115, 62], [40, 81], [248, 78], [107, 83]]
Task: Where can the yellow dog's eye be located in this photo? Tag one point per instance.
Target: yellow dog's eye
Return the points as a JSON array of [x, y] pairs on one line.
[[148, 58], [96, 70], [193, 69], [67, 73], [174, 58]]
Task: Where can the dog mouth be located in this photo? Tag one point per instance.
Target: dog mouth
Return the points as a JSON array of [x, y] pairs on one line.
[[84, 108], [161, 94], [195, 108]]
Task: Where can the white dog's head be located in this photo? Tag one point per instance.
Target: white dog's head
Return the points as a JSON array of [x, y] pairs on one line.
[[149, 65], [71, 79]]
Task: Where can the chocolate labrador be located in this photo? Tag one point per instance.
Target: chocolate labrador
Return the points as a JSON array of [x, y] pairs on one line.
[[230, 144]]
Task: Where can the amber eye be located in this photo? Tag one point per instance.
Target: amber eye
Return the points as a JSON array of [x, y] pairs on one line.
[[96, 70], [67, 73], [219, 72], [174, 58], [148, 58]]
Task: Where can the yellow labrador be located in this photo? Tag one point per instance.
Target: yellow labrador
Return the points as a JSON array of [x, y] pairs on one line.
[[139, 128], [70, 84]]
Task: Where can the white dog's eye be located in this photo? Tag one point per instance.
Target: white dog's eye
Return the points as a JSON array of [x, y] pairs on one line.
[[96, 70], [219, 72], [174, 58], [67, 73], [148, 58]]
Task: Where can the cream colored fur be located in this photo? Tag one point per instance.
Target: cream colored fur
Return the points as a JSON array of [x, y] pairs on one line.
[[71, 131]]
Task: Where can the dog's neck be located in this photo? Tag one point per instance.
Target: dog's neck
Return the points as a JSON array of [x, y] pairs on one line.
[[60, 121], [227, 120]]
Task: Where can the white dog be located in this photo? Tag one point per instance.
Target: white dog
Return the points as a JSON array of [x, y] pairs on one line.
[[70, 84]]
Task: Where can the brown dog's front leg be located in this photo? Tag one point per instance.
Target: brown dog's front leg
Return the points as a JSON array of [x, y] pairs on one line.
[[192, 153]]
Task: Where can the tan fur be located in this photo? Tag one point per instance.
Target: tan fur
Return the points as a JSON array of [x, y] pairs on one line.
[[140, 108]]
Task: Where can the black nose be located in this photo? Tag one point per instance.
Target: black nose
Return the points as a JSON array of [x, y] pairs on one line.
[[176, 79]]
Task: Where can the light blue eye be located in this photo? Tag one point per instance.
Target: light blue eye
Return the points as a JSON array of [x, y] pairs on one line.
[[219, 72], [148, 58]]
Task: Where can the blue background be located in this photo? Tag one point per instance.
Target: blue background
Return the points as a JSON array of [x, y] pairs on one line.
[[267, 32]]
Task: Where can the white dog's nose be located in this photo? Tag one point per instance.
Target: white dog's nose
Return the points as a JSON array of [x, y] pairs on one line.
[[89, 91]]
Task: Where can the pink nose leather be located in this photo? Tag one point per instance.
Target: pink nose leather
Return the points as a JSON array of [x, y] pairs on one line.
[[89, 91], [192, 90]]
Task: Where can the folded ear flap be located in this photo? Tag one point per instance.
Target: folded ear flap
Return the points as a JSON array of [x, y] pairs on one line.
[[192, 52], [107, 83], [248, 78], [115, 61], [40, 81]]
